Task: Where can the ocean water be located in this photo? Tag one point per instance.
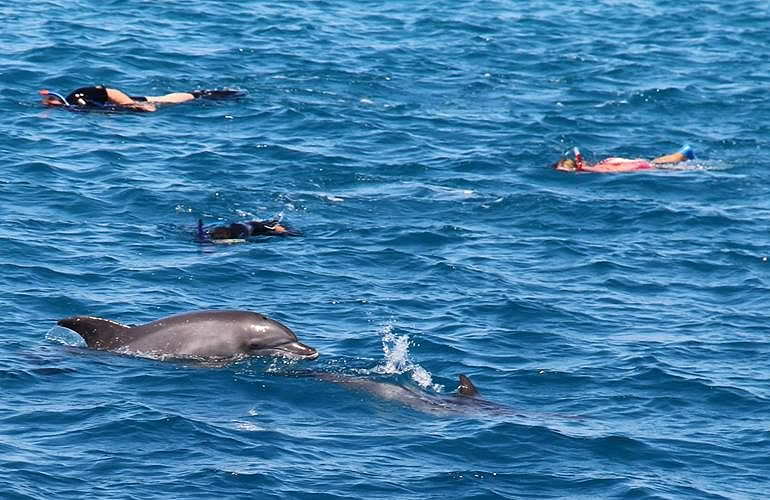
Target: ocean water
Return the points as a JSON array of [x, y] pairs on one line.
[[615, 325]]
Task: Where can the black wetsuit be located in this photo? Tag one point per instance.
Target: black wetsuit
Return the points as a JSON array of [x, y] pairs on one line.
[[251, 228], [95, 97], [244, 230], [88, 96]]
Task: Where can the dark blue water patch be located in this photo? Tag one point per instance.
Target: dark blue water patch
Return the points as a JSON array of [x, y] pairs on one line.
[[619, 317]]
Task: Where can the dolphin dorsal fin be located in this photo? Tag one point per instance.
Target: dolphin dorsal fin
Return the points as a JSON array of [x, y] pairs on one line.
[[466, 387], [97, 332]]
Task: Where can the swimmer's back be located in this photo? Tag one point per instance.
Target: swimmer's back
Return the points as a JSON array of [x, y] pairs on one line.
[[615, 164]]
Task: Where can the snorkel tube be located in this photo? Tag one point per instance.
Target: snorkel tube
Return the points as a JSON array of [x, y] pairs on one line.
[[202, 235], [55, 94], [579, 164]]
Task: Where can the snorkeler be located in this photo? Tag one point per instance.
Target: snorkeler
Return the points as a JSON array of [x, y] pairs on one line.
[[240, 231], [614, 164], [104, 98]]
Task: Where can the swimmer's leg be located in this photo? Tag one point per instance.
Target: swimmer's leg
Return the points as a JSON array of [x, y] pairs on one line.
[[172, 98], [684, 154], [179, 97]]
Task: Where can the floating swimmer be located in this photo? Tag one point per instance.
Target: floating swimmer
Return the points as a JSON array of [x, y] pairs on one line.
[[101, 98], [239, 232], [578, 164]]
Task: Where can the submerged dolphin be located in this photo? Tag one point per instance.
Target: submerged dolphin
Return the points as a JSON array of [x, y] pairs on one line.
[[203, 335], [464, 400]]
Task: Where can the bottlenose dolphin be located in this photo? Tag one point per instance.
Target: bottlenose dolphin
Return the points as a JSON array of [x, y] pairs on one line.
[[202, 335], [464, 400]]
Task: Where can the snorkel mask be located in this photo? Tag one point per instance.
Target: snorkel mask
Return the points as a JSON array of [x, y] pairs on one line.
[[571, 161], [46, 93]]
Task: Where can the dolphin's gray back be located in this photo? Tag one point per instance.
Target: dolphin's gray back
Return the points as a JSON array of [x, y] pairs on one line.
[[463, 401], [199, 334], [99, 333], [383, 390]]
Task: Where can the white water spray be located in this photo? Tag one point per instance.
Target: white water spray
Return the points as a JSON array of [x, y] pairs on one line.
[[397, 360]]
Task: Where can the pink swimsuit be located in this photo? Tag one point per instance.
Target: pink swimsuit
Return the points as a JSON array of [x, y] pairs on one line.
[[624, 164]]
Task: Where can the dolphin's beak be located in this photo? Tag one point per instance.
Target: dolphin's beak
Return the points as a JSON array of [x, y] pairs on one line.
[[297, 350]]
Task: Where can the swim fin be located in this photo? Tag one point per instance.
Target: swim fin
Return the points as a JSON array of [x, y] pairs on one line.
[[218, 94], [687, 151]]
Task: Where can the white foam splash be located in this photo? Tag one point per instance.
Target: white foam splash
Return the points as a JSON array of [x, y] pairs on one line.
[[397, 360], [64, 336], [247, 426]]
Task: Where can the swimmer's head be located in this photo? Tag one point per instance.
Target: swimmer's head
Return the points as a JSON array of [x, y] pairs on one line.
[[49, 98], [565, 164]]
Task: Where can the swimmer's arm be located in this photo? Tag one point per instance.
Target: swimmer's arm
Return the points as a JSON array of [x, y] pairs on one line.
[[141, 106], [117, 97], [613, 164], [612, 167], [274, 226], [593, 168]]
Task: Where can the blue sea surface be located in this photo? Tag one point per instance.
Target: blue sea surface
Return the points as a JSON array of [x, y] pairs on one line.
[[616, 325]]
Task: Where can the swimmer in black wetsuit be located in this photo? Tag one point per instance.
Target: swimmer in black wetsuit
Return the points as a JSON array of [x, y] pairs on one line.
[[101, 97], [245, 230]]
